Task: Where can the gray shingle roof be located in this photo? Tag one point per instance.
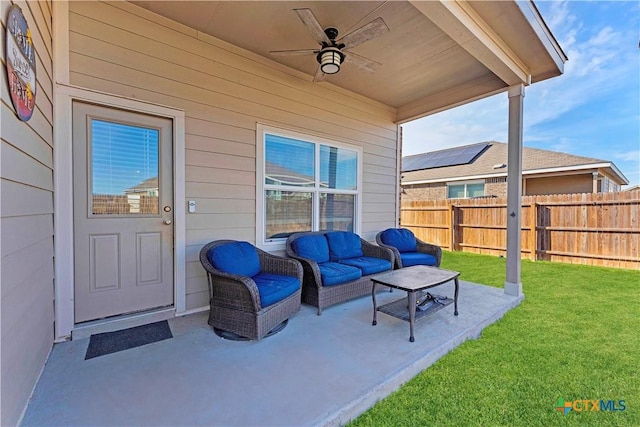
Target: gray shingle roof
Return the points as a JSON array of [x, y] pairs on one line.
[[532, 159], [144, 186]]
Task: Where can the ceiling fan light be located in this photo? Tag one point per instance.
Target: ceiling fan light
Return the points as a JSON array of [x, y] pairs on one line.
[[330, 60]]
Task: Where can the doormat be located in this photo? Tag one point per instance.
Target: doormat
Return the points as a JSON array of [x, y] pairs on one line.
[[112, 342]]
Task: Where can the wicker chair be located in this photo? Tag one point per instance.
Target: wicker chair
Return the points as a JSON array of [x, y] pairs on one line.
[[235, 301], [314, 293], [411, 256]]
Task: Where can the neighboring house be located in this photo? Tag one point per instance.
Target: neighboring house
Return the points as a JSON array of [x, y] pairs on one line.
[[148, 187], [196, 85], [143, 198], [480, 170]]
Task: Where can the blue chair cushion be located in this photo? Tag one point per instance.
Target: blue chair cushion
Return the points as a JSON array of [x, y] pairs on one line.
[[240, 258], [343, 245], [368, 265], [400, 238], [275, 287], [417, 258], [314, 247], [333, 273]]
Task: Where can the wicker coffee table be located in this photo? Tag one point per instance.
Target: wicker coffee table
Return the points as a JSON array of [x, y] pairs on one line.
[[413, 280]]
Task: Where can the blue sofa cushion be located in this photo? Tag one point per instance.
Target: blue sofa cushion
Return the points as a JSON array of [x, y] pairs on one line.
[[417, 258], [333, 273], [275, 287], [368, 265], [343, 244], [400, 238], [239, 258], [314, 247]]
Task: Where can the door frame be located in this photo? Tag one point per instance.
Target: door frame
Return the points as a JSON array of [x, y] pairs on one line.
[[65, 95]]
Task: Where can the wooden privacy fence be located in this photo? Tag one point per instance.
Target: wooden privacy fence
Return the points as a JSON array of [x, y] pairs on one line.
[[598, 229], [117, 204]]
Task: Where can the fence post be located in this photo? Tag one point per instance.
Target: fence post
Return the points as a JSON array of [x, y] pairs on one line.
[[454, 227], [533, 221], [450, 221]]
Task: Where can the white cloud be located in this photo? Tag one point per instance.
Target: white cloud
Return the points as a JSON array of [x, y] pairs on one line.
[[560, 17], [629, 156], [592, 71], [604, 37]]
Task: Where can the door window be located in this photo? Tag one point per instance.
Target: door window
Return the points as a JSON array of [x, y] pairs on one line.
[[124, 169]]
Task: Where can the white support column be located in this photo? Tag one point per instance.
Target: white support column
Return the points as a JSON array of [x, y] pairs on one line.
[[513, 285], [594, 188]]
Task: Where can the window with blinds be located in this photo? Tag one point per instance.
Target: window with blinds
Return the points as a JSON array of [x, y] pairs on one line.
[[307, 184], [124, 169]]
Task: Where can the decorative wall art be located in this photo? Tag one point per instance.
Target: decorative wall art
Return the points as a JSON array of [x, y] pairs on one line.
[[21, 64]]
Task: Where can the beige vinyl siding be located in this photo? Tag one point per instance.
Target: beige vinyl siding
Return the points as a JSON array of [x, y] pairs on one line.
[[26, 224], [559, 185], [225, 92]]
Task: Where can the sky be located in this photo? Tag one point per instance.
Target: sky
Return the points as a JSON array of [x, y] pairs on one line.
[[592, 110]]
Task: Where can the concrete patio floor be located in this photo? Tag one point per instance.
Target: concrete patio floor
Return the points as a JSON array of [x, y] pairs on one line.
[[319, 371]]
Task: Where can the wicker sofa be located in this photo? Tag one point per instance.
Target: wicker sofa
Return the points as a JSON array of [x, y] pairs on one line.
[[251, 291], [337, 265]]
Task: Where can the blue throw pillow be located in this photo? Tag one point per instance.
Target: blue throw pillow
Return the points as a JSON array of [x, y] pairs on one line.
[[343, 245], [400, 238], [313, 247], [240, 258]]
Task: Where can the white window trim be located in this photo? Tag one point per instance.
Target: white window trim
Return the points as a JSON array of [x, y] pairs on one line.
[[465, 183], [261, 130]]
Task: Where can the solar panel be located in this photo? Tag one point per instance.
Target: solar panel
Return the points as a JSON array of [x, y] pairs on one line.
[[443, 158]]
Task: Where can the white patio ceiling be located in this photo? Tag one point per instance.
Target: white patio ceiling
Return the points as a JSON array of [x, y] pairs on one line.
[[437, 55]]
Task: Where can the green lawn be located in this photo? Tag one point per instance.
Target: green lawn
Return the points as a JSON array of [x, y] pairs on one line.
[[576, 336]]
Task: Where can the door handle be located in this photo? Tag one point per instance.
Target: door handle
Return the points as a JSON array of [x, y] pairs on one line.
[[167, 222]]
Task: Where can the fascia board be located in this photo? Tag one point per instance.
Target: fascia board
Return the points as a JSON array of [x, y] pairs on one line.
[[525, 172]]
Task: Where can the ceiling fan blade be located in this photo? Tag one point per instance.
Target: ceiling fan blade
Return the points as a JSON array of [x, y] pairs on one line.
[[294, 52], [319, 76], [375, 28], [361, 62], [309, 20]]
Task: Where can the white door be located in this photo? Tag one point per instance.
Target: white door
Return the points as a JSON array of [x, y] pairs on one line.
[[123, 212]]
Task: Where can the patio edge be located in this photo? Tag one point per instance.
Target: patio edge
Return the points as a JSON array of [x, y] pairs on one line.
[[360, 405]]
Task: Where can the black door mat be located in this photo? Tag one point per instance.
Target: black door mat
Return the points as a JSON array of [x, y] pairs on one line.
[[111, 342]]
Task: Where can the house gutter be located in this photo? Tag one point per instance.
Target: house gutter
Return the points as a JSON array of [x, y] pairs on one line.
[[613, 167], [546, 37]]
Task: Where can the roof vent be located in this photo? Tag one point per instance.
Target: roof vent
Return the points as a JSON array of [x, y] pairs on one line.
[[499, 165]]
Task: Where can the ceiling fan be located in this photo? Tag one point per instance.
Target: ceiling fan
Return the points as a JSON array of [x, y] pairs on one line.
[[334, 51]]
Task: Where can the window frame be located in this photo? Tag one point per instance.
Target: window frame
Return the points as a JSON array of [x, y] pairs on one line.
[[261, 132], [466, 191]]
